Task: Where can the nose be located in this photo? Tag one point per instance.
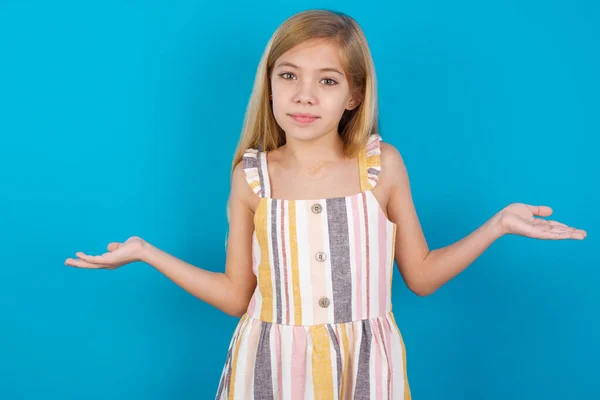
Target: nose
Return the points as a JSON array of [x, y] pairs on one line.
[[305, 93]]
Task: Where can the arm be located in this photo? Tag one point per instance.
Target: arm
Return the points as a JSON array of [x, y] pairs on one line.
[[230, 291], [424, 270]]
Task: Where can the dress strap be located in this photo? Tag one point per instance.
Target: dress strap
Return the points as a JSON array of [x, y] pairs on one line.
[[369, 161], [255, 168]]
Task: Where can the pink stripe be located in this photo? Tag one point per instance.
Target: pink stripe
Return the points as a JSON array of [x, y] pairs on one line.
[[277, 344], [388, 342], [358, 258], [298, 363], [376, 348], [382, 267], [387, 356]]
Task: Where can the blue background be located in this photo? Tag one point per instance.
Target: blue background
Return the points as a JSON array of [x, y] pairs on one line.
[[120, 118]]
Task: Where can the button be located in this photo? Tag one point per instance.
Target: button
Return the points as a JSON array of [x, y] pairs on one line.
[[320, 256], [316, 208], [324, 302]]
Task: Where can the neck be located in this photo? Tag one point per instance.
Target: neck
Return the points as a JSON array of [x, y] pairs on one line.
[[312, 156]]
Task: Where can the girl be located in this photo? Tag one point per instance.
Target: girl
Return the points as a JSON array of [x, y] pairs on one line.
[[321, 208]]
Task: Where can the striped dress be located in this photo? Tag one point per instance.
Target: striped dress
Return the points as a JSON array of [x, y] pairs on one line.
[[320, 322]]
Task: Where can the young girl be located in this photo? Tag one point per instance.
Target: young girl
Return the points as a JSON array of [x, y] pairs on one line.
[[320, 208]]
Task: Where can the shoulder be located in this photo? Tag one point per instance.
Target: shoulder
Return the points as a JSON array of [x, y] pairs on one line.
[[241, 189], [393, 168]]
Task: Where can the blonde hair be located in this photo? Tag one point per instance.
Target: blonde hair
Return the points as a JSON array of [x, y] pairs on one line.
[[260, 129]]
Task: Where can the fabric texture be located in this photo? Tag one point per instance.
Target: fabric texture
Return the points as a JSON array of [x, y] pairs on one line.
[[319, 324]]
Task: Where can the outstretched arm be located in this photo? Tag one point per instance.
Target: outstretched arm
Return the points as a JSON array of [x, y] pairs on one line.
[[424, 270]]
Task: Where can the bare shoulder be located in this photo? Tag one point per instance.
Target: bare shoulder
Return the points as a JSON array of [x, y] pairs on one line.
[[393, 169], [241, 192]]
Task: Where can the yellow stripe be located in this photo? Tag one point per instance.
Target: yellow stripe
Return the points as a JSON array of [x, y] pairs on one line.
[[254, 184], [234, 361], [321, 363], [345, 366], [406, 386], [295, 272], [362, 167], [264, 268]]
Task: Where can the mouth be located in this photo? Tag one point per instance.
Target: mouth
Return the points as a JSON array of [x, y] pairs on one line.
[[304, 118]]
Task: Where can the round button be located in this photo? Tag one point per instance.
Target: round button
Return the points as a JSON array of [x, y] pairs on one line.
[[324, 302], [320, 256], [316, 208]]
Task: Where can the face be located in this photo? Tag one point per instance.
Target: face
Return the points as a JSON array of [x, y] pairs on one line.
[[310, 90]]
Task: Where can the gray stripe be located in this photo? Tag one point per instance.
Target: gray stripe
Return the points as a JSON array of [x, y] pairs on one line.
[[275, 261], [227, 377], [362, 389], [339, 248], [373, 171], [338, 354], [260, 174], [263, 383]]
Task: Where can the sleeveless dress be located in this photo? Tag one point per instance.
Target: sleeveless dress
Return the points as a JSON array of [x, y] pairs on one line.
[[319, 324]]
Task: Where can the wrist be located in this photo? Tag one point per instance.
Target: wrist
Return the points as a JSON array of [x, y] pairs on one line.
[[497, 226]]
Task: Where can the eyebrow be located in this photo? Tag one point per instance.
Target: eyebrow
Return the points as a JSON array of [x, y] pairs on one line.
[[289, 64]]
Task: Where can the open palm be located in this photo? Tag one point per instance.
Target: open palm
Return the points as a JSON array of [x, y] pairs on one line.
[[118, 255], [520, 219]]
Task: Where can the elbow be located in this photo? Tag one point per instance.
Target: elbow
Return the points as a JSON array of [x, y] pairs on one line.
[[421, 289]]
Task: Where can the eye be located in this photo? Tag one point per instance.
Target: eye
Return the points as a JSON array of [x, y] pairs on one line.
[[285, 75], [332, 81]]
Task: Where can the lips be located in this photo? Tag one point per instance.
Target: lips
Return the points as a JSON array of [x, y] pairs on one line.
[[304, 118]]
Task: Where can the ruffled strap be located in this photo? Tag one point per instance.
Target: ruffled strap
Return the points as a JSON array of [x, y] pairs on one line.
[[371, 162], [255, 169]]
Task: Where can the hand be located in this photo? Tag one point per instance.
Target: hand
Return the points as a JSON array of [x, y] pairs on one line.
[[519, 219], [118, 255]]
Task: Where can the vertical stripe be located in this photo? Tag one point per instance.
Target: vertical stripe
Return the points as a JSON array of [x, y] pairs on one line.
[[284, 265], [406, 388], [363, 389], [317, 269], [362, 166], [388, 357], [382, 242], [304, 264], [367, 246], [264, 269], [321, 363], [239, 335], [263, 381], [345, 375], [294, 256], [298, 365], [338, 356], [359, 257], [340, 259], [261, 179], [276, 361], [276, 265]]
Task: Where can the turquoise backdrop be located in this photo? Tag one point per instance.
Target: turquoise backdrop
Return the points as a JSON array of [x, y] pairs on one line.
[[120, 118]]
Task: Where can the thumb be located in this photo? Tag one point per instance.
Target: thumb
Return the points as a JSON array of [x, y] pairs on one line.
[[542, 211], [113, 246]]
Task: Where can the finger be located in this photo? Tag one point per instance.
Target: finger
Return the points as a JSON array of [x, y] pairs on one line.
[[542, 211], [79, 263], [113, 246], [102, 259]]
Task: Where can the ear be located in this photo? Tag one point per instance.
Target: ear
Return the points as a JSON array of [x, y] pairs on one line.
[[353, 102]]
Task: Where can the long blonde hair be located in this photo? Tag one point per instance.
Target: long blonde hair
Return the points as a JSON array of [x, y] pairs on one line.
[[260, 129]]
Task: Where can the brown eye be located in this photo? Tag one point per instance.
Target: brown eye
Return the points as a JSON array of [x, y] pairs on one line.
[[285, 75], [330, 81]]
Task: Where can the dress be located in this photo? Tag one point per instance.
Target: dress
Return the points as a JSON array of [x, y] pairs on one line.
[[319, 324]]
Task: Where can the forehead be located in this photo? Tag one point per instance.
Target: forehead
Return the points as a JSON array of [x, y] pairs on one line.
[[313, 54]]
